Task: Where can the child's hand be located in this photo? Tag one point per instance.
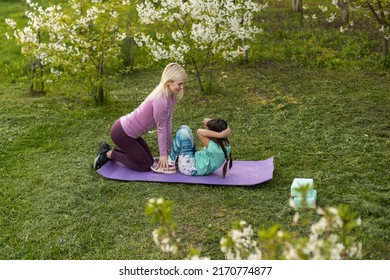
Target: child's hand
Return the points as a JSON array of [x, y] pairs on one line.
[[205, 121], [225, 133]]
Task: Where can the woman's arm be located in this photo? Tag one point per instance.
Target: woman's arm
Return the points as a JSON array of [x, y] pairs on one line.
[[161, 116]]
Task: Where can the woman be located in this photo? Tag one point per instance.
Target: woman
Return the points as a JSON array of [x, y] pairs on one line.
[[155, 111]]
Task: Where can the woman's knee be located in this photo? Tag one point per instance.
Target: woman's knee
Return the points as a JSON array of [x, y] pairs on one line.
[[144, 168]]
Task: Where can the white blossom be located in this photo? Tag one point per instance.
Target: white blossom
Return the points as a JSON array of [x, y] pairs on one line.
[[331, 18], [197, 258], [159, 201], [10, 22], [121, 36], [214, 26], [342, 29], [155, 237], [244, 246], [323, 8], [296, 218], [114, 14]]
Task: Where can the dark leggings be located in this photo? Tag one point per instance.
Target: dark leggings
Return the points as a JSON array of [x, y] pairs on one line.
[[133, 153]]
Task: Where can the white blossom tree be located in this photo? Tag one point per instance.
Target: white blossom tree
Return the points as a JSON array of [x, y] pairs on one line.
[[198, 32], [42, 24], [76, 43]]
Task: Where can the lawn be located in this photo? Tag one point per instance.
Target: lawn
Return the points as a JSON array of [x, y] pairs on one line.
[[326, 123], [317, 124]]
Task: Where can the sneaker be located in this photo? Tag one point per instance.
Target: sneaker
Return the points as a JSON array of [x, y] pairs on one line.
[[171, 169], [103, 148], [156, 159], [99, 161]]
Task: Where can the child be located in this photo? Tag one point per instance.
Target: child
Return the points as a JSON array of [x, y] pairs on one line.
[[155, 111], [213, 155]]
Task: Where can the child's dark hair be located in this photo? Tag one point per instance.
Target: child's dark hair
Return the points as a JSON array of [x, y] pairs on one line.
[[219, 125]]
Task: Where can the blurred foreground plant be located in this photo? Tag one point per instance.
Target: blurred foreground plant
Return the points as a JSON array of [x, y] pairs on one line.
[[329, 238]]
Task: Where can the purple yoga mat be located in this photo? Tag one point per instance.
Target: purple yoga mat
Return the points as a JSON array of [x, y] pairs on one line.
[[243, 173]]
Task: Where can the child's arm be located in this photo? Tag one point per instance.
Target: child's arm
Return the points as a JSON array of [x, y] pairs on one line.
[[205, 135]]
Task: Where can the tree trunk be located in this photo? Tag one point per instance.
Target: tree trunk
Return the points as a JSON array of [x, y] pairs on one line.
[[197, 73], [344, 5], [385, 47], [199, 79], [380, 18], [245, 52], [127, 49], [100, 94], [296, 5], [37, 84], [209, 84]]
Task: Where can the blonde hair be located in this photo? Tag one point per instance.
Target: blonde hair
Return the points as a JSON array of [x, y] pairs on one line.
[[172, 72]]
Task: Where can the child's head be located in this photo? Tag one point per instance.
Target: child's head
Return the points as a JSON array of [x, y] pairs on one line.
[[217, 125]]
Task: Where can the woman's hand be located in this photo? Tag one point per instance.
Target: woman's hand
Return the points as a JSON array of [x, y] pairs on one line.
[[163, 163]]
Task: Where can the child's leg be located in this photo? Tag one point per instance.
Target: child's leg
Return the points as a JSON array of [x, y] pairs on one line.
[[186, 164], [182, 144]]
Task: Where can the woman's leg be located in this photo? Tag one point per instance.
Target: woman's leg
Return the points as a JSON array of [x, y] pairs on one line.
[[133, 153]]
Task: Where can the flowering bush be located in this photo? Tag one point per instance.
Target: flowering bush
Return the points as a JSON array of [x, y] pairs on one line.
[[77, 43], [198, 32], [239, 243], [329, 238], [32, 38], [160, 212]]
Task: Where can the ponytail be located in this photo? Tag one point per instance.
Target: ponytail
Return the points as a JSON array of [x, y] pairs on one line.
[[228, 158]]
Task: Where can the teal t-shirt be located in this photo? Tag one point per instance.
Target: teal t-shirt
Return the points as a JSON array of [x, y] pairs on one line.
[[210, 158]]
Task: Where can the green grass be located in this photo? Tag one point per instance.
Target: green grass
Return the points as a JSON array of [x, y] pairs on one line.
[[329, 122], [324, 125], [317, 43]]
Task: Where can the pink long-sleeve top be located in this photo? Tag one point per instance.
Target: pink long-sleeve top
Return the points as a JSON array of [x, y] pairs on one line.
[[152, 113]]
